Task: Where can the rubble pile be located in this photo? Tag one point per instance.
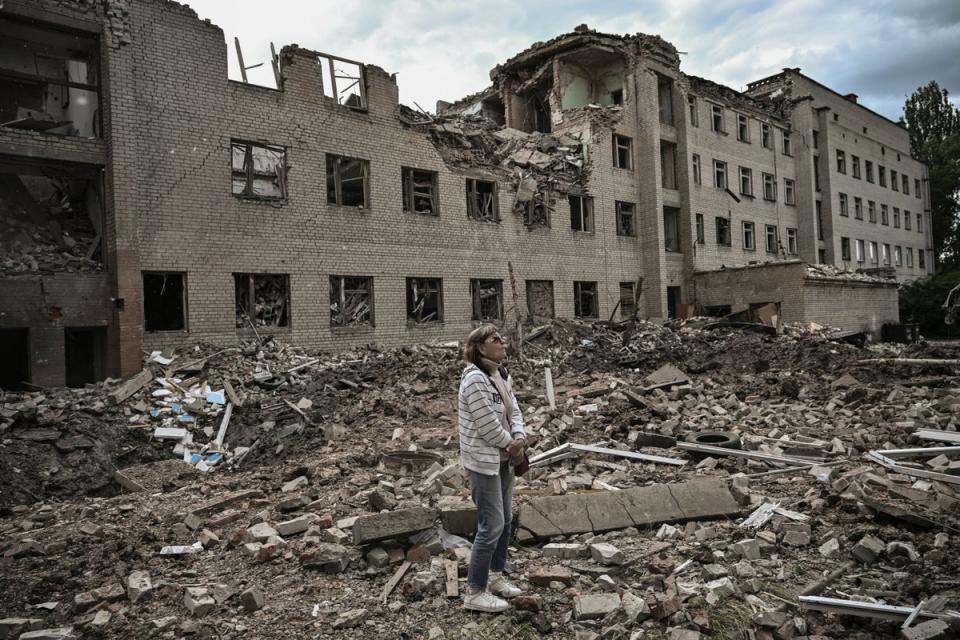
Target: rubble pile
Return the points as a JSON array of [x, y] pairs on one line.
[[65, 244], [686, 481]]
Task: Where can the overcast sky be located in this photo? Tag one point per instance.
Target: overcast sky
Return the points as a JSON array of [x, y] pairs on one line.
[[882, 50]]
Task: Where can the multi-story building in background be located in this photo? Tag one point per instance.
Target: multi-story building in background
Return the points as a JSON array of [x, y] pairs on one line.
[[149, 202]]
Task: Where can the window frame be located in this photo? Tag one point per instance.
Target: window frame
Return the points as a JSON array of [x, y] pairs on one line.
[[618, 212], [578, 292], [411, 301], [745, 177], [625, 144], [717, 116], [697, 169], [409, 195], [248, 170], [473, 204], [745, 227], [342, 298], [719, 166], [776, 239], [743, 128], [335, 169], [728, 232], [586, 219], [789, 192], [700, 229], [476, 301], [793, 241], [844, 249]]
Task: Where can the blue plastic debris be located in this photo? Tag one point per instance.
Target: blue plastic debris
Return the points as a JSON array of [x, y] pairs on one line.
[[154, 412], [186, 417], [214, 458], [584, 342], [176, 408], [195, 458], [216, 397]]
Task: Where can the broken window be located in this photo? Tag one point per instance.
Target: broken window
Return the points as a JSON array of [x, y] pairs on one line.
[[792, 241], [262, 299], [860, 251], [920, 222], [581, 213], [921, 259], [51, 216], [668, 165], [789, 196], [882, 174], [487, 297], [898, 256], [700, 229], [743, 128], [347, 181], [746, 181], [15, 356], [719, 174], [749, 236], [626, 218], [896, 217], [819, 213], [844, 211], [665, 99], [540, 301], [893, 180], [872, 211], [884, 214], [769, 187], [723, 231], [858, 208], [906, 185], [909, 257], [420, 191], [627, 304], [536, 210], [424, 300], [692, 107], [697, 176], [765, 136], [259, 170], [868, 170], [874, 252], [771, 236], [916, 187], [585, 302], [886, 253], [855, 166], [49, 79], [344, 81], [164, 301], [907, 220], [671, 228], [844, 248], [716, 119], [351, 301], [622, 152], [841, 162], [482, 200], [787, 143]]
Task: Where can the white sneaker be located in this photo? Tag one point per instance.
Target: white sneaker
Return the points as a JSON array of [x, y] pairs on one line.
[[502, 587], [484, 601]]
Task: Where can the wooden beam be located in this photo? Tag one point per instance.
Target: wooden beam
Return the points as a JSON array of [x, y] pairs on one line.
[[394, 581]]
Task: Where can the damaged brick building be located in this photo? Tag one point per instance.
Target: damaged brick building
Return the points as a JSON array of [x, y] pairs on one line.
[[148, 201]]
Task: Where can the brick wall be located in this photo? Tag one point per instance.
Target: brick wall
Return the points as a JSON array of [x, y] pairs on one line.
[[740, 287], [851, 306]]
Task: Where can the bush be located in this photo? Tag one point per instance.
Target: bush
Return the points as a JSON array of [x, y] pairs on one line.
[[921, 302]]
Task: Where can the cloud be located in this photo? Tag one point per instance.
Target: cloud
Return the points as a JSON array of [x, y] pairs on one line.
[[881, 50]]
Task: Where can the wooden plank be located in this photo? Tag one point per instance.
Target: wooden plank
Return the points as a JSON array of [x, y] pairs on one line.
[[130, 387], [551, 395], [453, 574], [395, 580], [232, 394], [222, 432]]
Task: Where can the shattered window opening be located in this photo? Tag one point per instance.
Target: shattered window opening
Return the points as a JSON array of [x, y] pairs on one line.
[[627, 306], [581, 213], [259, 171], [540, 301], [765, 136], [482, 200], [420, 189], [343, 80], [262, 300], [697, 175], [424, 300], [626, 218], [772, 239], [723, 232], [671, 229], [622, 152], [586, 304], [49, 80], [700, 229], [51, 216], [164, 301], [716, 119], [845, 249], [668, 165], [719, 174], [536, 210], [487, 296], [692, 107], [347, 181], [351, 301], [665, 99], [743, 128]]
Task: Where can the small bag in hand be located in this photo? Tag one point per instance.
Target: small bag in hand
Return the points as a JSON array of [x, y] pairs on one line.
[[521, 468]]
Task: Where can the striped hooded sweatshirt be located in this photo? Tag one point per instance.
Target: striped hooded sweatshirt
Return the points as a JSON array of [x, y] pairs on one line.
[[483, 432]]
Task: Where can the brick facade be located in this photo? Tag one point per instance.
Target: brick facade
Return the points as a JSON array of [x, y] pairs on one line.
[[169, 115]]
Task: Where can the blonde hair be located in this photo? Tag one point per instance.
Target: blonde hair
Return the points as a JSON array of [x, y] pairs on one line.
[[471, 349]]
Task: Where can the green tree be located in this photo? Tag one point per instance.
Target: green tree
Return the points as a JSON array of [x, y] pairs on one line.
[[934, 126]]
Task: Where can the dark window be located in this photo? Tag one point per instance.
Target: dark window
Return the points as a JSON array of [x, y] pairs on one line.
[[819, 207], [585, 302], [347, 181], [844, 211], [692, 108], [671, 228], [351, 301], [164, 301], [482, 200], [723, 231], [845, 248], [15, 356], [262, 299], [700, 230], [487, 296], [627, 303], [420, 191], [858, 208], [424, 300], [622, 152], [791, 241], [789, 196], [746, 181], [581, 213], [841, 162], [765, 136], [716, 118], [743, 128], [540, 301], [719, 174], [668, 165], [697, 175], [921, 258], [665, 99], [49, 80], [749, 236], [893, 181], [536, 210], [855, 166], [626, 218], [769, 187], [787, 144], [772, 240], [868, 170], [259, 171]]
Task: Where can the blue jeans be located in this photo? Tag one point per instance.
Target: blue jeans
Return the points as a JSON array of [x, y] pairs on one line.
[[493, 496]]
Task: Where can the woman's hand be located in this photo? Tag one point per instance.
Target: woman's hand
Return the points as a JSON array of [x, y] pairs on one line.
[[515, 449]]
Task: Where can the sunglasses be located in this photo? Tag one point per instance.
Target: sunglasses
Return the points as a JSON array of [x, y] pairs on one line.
[[498, 339]]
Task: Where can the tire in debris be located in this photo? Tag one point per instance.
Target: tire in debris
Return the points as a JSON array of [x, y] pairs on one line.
[[722, 439]]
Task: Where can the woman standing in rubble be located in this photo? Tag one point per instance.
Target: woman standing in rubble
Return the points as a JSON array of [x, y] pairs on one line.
[[492, 440]]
